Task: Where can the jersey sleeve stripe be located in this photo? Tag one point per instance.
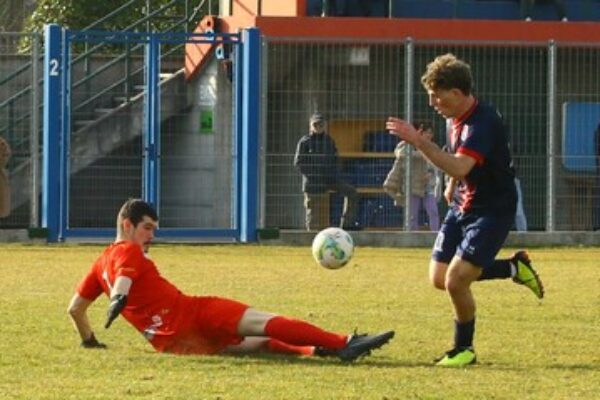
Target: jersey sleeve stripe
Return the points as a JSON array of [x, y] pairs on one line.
[[473, 154]]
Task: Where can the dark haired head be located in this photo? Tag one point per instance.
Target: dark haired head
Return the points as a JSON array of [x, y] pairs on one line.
[[134, 210]]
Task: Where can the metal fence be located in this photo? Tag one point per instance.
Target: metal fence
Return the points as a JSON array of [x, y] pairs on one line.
[[548, 93], [186, 146], [20, 121], [107, 72]]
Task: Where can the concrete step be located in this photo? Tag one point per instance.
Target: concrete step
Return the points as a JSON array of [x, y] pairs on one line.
[[102, 111], [82, 123], [122, 99]]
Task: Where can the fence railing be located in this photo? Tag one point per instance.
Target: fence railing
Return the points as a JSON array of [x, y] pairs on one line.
[[21, 83], [549, 95], [174, 16], [20, 110]]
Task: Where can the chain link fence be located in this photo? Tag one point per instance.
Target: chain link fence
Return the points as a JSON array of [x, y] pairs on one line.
[[20, 124], [549, 95]]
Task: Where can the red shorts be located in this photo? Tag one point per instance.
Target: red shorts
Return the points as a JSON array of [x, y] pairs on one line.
[[204, 325]]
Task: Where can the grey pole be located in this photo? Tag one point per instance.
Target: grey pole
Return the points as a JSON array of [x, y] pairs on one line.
[[551, 142], [408, 111], [34, 149]]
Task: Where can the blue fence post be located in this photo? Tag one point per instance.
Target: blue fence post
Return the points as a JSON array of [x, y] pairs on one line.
[[249, 146], [238, 118], [65, 135], [51, 137], [152, 133]]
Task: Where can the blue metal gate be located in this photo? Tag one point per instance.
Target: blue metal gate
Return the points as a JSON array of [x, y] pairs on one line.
[[117, 126]]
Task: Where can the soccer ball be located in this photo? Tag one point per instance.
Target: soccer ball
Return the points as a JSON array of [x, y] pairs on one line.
[[333, 248]]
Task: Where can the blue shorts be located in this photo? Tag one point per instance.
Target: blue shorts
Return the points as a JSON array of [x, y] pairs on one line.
[[472, 237]]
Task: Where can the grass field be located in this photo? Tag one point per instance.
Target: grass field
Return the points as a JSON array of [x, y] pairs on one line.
[[526, 350]]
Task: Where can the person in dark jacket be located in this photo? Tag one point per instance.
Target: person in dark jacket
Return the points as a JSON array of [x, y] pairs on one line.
[[316, 159]]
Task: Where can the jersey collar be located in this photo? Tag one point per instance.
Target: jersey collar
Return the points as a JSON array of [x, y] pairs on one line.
[[460, 120]]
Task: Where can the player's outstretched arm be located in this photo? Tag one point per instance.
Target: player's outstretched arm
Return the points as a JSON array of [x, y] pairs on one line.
[[118, 299], [457, 166], [78, 312]]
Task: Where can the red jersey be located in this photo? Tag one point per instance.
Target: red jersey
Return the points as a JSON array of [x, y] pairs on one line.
[[170, 320]]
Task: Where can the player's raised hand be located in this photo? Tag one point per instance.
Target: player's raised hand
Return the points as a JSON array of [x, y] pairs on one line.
[[403, 129]]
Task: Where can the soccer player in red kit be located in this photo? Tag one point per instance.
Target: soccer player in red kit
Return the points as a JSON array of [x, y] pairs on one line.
[[177, 323]]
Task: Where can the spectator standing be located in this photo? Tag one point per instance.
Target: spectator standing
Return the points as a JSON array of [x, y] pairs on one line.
[[425, 183]]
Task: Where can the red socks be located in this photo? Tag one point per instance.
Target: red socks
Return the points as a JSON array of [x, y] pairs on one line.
[[277, 346], [300, 333]]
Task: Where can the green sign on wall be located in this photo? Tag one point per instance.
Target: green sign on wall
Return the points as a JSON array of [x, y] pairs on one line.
[[206, 122]]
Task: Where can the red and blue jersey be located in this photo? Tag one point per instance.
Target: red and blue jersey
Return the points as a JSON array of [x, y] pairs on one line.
[[489, 187]]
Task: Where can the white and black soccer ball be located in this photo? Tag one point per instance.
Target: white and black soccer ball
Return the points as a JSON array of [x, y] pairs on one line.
[[333, 248]]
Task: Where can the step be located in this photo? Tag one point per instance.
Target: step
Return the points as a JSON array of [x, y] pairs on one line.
[[104, 110], [82, 123], [123, 99], [120, 99]]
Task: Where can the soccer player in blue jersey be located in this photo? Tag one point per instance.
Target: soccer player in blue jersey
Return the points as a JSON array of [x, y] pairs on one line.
[[481, 194]]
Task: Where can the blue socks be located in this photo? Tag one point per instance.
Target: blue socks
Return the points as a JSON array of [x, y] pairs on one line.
[[463, 333], [500, 269]]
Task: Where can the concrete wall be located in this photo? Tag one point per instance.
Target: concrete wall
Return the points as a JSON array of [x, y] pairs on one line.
[[196, 164], [196, 161]]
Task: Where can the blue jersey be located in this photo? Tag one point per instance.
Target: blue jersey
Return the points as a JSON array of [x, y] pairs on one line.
[[489, 187]]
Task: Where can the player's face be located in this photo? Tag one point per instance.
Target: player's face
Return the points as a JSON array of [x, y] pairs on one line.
[[143, 233], [447, 103]]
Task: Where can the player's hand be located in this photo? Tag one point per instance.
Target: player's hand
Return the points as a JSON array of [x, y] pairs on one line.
[[449, 194], [402, 129], [117, 304], [92, 343]]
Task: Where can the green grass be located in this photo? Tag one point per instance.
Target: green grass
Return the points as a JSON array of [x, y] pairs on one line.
[[526, 349]]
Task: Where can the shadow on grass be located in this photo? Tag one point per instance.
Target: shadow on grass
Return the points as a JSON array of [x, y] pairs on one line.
[[278, 360], [582, 367], [375, 361], [565, 367]]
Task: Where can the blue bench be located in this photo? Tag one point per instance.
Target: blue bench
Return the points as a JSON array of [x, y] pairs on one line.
[[424, 8], [580, 121], [478, 9]]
